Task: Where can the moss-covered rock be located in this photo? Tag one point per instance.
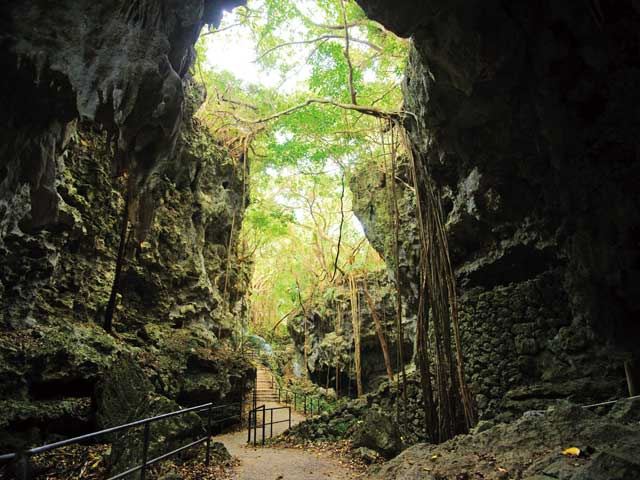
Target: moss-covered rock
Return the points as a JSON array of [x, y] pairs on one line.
[[174, 315], [330, 336], [124, 395], [378, 432]]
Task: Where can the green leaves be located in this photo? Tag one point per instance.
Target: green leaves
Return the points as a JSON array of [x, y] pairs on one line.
[[297, 160], [270, 222]]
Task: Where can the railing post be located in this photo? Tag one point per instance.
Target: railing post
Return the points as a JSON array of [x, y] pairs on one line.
[[208, 454], [264, 418], [295, 401], [249, 427], [255, 428], [255, 389], [23, 467], [145, 450], [271, 424]]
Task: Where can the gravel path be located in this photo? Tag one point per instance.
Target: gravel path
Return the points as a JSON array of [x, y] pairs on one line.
[[281, 463]]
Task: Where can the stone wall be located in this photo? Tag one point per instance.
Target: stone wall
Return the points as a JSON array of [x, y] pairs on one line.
[[522, 349]]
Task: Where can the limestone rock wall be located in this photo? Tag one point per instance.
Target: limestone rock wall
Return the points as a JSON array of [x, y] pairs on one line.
[[372, 204], [173, 315], [526, 121], [117, 63], [95, 101]]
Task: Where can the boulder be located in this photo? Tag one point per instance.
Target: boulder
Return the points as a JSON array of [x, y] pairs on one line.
[[380, 433], [125, 395], [626, 411], [219, 453]]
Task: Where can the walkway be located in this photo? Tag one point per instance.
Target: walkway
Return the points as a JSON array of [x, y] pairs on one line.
[[275, 463]]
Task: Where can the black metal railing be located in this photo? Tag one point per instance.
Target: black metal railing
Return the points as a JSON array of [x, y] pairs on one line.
[[254, 425], [301, 401], [22, 460]]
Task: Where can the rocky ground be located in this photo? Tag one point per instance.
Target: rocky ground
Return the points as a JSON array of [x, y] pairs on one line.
[[356, 417], [564, 442]]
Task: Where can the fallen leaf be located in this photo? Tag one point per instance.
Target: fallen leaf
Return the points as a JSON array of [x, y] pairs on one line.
[[571, 452]]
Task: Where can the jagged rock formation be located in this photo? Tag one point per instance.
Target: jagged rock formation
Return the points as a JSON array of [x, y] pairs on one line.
[[330, 336], [531, 448], [526, 123], [92, 106], [172, 315], [117, 63]]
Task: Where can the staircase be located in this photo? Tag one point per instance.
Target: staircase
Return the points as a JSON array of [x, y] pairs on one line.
[[265, 389]]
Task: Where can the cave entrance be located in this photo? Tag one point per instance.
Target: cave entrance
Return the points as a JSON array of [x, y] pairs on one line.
[[304, 94]]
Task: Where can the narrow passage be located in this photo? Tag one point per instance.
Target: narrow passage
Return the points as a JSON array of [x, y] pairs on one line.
[[277, 463]]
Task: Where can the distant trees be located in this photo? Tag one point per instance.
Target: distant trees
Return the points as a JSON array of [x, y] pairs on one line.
[[304, 136]]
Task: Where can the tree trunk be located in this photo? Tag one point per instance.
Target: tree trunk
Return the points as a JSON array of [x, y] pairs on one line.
[[304, 323], [632, 371], [338, 332], [380, 332], [355, 317], [424, 362], [111, 305]]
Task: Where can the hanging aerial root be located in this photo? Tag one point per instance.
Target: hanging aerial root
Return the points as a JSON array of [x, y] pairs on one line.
[[438, 287]]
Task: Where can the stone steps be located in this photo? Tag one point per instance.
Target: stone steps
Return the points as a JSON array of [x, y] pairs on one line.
[[265, 389]]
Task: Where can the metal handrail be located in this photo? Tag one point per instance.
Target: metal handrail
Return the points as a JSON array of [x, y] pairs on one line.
[[295, 396], [253, 414], [209, 407]]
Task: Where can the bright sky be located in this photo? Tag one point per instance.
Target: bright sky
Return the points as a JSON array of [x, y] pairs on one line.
[[234, 50]]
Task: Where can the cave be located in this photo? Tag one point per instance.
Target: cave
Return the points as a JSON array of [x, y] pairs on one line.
[[491, 293]]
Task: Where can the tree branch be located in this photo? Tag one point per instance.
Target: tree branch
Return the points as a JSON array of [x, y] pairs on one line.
[[357, 23], [218, 30], [335, 263], [328, 36], [352, 89], [367, 110]]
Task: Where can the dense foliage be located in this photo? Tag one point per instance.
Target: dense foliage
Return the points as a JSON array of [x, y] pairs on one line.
[[300, 125]]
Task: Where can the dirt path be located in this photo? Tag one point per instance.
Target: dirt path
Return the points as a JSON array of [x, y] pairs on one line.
[[270, 463]]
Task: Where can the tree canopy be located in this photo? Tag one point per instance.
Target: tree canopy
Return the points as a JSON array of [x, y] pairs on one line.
[[327, 77]]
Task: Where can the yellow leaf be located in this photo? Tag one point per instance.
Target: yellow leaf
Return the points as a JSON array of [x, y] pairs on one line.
[[571, 452]]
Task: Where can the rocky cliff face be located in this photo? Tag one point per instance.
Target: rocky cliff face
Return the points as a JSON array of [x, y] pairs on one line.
[[173, 315], [93, 105], [526, 122], [119, 64]]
